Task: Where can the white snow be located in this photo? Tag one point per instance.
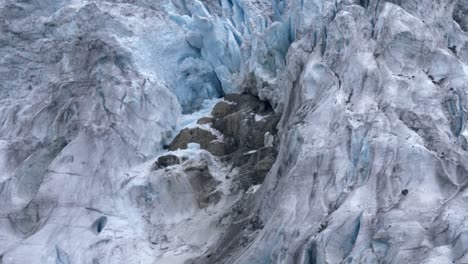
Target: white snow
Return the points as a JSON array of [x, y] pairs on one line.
[[259, 118], [253, 189], [190, 120]]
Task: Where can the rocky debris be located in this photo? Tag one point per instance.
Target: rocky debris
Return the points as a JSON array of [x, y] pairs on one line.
[[166, 161], [189, 135], [222, 109], [204, 184], [218, 148], [245, 121], [248, 125], [245, 127], [178, 201], [242, 130], [242, 229], [254, 165], [205, 120]]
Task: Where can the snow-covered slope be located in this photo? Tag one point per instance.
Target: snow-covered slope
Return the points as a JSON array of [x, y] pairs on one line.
[[372, 162]]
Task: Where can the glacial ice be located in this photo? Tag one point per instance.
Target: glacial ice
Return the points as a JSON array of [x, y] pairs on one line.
[[371, 164], [190, 120]]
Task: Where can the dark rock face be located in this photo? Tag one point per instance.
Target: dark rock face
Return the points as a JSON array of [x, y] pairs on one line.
[[218, 148], [205, 120], [248, 125], [168, 160], [222, 109], [246, 128], [192, 135], [243, 119], [203, 184], [254, 166]]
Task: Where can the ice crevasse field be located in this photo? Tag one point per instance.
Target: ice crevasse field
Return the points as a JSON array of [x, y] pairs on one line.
[[233, 131]]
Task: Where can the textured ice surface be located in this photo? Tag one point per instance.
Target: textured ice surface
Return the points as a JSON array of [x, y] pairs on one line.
[[372, 165]]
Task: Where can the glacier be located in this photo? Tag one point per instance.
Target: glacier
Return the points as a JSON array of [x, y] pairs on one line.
[[364, 160]]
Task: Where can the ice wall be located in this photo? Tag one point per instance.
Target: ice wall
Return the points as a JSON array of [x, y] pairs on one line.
[[91, 89], [372, 167], [245, 42], [76, 113], [372, 160]]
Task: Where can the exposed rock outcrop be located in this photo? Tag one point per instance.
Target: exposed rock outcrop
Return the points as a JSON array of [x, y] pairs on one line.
[[166, 161], [248, 128], [192, 135]]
